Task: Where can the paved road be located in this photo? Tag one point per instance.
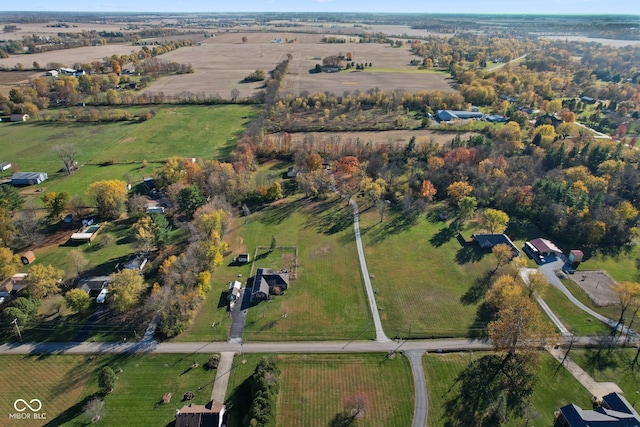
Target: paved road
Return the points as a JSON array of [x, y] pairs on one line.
[[421, 409], [380, 335]]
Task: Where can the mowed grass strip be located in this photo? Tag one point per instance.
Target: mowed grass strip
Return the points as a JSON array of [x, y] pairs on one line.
[[314, 388], [576, 320], [614, 365], [327, 301], [552, 389], [420, 273]]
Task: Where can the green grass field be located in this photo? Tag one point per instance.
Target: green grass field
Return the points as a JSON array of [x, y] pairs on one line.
[[65, 383], [327, 300], [612, 365], [576, 320], [184, 131], [313, 389], [550, 393], [421, 274], [623, 268]]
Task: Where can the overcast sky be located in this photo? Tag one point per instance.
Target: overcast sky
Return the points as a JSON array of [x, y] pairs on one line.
[[627, 7]]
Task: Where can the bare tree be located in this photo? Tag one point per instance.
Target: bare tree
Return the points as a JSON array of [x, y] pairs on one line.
[[67, 154], [357, 405], [77, 262], [235, 93], [94, 409]]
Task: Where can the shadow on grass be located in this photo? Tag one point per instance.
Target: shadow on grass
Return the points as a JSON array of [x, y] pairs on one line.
[[274, 215], [484, 314], [239, 402], [469, 254], [397, 222], [478, 290], [329, 216], [444, 235], [73, 412]]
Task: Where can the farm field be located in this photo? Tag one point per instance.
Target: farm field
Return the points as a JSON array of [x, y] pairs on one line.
[[313, 389], [423, 278], [65, 383], [68, 57], [550, 391], [222, 62]]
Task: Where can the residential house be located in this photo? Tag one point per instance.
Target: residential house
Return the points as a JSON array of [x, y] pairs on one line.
[[545, 247], [209, 415], [94, 285], [28, 178], [614, 410], [13, 285], [136, 262], [496, 118], [488, 241], [268, 282]]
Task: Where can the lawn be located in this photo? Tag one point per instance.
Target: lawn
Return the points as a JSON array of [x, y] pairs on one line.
[[576, 320], [623, 267], [313, 389], [209, 132], [612, 365], [550, 393], [327, 299], [65, 383], [426, 283]]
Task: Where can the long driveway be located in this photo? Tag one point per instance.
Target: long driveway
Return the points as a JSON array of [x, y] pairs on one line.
[[421, 409], [549, 269], [380, 335]]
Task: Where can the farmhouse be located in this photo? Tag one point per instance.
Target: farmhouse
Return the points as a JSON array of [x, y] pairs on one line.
[[450, 115], [94, 285], [19, 117], [614, 410], [28, 178], [209, 415], [267, 282], [488, 241]]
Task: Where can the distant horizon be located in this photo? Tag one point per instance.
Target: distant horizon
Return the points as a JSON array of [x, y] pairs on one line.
[[461, 7]]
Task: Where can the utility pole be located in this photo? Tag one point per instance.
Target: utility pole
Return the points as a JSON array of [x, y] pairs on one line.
[[15, 323]]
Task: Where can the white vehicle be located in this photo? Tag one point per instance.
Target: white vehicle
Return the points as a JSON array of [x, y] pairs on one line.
[[102, 296]]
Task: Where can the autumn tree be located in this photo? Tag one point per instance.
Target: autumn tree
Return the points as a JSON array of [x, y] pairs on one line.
[[110, 197], [55, 203], [44, 280], [169, 173], [503, 292], [77, 262], [67, 155], [427, 190], [125, 289], [503, 254], [628, 294], [535, 283], [458, 190], [495, 220], [77, 300], [9, 263], [466, 209], [510, 136], [144, 233]]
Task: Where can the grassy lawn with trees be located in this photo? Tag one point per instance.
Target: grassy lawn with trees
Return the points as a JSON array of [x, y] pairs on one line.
[[576, 320], [314, 388], [551, 391], [612, 364], [423, 278], [328, 279], [65, 384]]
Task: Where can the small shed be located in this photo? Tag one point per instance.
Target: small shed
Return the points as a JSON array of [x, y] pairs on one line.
[[243, 258], [27, 257], [5, 166], [575, 256], [19, 117], [234, 290], [136, 262]]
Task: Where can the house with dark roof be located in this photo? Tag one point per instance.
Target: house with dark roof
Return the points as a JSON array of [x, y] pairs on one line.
[[94, 285], [614, 411], [209, 415], [268, 282], [450, 115], [488, 241]]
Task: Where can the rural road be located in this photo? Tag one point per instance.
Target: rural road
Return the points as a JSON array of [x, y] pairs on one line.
[[380, 335]]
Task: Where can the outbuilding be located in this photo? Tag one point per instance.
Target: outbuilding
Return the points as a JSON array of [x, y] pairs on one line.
[[27, 258], [28, 178], [19, 117]]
